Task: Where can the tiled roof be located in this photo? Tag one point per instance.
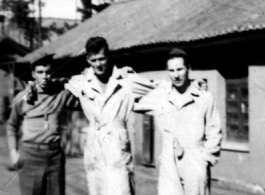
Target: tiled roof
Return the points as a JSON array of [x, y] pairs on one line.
[[11, 50], [145, 22]]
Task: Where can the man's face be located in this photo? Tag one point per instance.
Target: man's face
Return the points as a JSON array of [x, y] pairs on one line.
[[41, 74], [99, 62], [178, 72]]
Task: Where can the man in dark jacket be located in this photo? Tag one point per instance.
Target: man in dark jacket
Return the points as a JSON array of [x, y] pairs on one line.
[[38, 114]]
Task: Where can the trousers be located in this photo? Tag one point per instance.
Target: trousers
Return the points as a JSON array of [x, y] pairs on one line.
[[194, 174], [110, 181], [108, 161], [43, 171]]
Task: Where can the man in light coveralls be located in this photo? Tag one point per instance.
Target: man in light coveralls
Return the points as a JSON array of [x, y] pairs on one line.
[[107, 95], [190, 124]]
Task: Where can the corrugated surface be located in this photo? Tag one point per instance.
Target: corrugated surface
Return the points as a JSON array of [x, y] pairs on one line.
[[143, 22]]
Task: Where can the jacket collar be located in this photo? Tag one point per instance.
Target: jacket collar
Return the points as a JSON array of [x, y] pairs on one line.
[[112, 85], [185, 99]]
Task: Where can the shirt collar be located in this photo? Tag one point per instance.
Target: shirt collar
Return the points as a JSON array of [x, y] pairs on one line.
[[187, 98], [192, 90], [39, 90], [112, 83]]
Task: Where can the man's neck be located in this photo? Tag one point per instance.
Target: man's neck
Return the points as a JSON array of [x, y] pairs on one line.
[[104, 80], [181, 90], [41, 90], [105, 77], [47, 90]]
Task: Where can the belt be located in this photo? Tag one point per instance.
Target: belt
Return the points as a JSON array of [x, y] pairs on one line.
[[42, 146], [195, 145], [109, 126]]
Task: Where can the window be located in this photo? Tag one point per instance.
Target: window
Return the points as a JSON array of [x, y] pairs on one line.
[[237, 110]]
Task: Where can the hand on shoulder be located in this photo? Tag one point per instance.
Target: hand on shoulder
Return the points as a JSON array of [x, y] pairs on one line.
[[31, 92], [200, 84], [76, 84], [124, 71]]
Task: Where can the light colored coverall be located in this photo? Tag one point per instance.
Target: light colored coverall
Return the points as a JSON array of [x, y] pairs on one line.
[[191, 129], [107, 154]]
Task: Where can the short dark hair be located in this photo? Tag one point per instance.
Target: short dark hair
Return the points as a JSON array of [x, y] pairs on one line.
[[95, 44], [179, 53], [43, 61]]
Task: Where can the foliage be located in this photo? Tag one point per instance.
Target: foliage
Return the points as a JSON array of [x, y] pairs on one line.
[[61, 30], [86, 10], [22, 19], [21, 11], [89, 8]]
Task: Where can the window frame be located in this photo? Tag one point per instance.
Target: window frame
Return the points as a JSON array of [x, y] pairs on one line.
[[237, 144]]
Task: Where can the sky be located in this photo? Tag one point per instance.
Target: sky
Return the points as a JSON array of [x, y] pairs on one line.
[[65, 9]]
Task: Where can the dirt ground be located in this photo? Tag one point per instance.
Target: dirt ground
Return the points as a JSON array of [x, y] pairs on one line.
[[75, 177], [145, 178]]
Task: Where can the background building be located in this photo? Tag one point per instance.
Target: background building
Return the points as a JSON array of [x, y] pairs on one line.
[[11, 76], [225, 42]]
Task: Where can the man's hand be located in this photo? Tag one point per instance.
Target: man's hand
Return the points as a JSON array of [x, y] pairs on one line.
[[61, 80], [200, 84], [124, 71], [178, 150], [76, 85], [31, 92], [14, 157]]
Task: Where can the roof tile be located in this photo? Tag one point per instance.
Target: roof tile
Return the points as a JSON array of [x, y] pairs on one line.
[[143, 22]]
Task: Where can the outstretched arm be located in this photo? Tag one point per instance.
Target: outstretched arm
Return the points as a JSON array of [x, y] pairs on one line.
[[149, 103], [76, 85], [72, 102], [139, 88], [12, 129]]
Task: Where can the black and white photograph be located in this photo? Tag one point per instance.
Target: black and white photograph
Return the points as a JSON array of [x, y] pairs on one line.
[[132, 97]]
